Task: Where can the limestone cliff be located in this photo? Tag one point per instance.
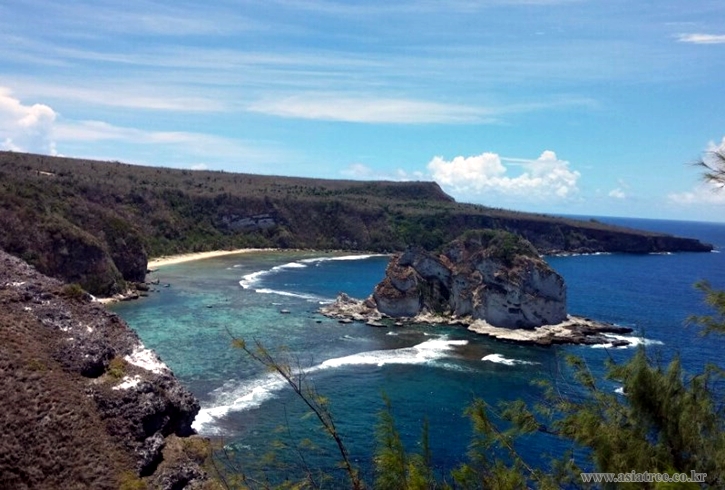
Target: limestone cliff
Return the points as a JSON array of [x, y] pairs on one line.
[[84, 404], [487, 275]]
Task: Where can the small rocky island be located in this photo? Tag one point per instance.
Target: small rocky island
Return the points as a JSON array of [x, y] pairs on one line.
[[492, 281]]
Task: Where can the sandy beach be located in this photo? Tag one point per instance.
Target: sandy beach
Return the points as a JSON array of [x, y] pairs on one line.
[[154, 264], [177, 259]]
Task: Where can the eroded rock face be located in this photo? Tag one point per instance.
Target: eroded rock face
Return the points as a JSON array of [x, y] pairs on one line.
[[107, 406], [488, 275]]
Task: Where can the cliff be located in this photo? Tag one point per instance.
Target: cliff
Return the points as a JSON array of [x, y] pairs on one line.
[[84, 404], [95, 223], [488, 275]]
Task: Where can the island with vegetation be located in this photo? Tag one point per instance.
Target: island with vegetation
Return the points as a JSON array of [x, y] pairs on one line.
[[492, 281]]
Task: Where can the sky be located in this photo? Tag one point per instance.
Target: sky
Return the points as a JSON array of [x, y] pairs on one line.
[[584, 107]]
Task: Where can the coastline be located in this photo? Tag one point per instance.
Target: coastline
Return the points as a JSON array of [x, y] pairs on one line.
[[158, 262]]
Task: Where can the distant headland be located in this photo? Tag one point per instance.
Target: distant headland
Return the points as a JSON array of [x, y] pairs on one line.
[[96, 223]]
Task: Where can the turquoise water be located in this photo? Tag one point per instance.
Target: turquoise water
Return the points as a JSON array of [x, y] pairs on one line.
[[426, 371]]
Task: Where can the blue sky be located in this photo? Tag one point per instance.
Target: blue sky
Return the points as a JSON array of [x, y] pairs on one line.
[[586, 107]]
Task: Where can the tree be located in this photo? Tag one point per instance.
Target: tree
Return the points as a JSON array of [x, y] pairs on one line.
[[713, 164]]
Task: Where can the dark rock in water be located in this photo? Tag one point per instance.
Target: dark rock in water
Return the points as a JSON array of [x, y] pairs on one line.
[[488, 275], [99, 403], [373, 323], [285, 312]]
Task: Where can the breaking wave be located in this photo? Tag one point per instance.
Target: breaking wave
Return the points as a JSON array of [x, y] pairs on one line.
[[499, 359], [236, 396]]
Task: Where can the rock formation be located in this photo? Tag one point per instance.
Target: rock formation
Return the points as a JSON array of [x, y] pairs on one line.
[[84, 403], [493, 276], [492, 282]]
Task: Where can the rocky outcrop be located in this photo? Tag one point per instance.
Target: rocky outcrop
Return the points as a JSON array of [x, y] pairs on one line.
[[488, 275], [492, 282], [85, 404]]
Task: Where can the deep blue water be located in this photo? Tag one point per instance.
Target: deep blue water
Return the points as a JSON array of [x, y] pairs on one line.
[[427, 372]]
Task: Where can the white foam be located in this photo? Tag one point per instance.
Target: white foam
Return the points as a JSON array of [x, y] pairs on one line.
[[250, 279], [499, 359], [147, 359], [290, 265], [429, 350], [127, 383], [234, 397], [308, 297], [342, 257], [633, 342], [620, 390]]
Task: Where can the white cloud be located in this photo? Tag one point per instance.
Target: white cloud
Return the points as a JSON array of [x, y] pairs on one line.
[[621, 191], [25, 127], [706, 193], [703, 194], [200, 166], [331, 107], [702, 38], [359, 171], [486, 176]]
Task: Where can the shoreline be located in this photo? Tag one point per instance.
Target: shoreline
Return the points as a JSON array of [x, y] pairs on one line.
[[154, 264], [575, 330], [165, 260]]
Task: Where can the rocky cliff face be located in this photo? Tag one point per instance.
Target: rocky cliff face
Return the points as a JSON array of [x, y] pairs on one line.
[[487, 275], [84, 403]]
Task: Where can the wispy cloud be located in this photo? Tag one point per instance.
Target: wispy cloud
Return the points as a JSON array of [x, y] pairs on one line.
[[360, 171], [702, 38], [125, 94], [704, 194], [367, 109], [184, 142], [333, 106]]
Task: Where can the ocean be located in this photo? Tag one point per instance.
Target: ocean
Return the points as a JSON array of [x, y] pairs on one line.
[[428, 372]]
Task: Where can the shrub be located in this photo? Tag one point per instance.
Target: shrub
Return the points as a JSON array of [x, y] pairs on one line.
[[117, 368], [73, 291]]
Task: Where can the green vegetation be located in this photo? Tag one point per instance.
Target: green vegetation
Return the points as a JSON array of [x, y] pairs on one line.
[[96, 223], [117, 368], [129, 481], [73, 291], [500, 244]]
